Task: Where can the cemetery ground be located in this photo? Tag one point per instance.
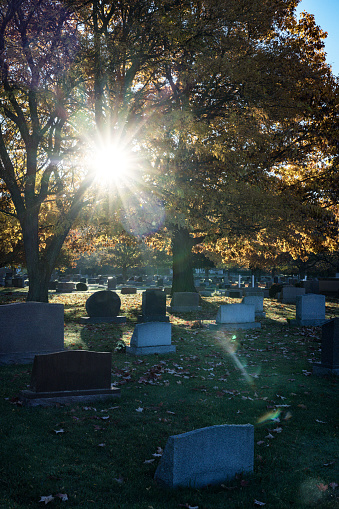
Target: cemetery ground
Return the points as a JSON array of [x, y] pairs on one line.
[[104, 455]]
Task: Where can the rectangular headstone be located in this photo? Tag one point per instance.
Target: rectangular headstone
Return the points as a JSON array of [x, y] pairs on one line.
[[258, 302], [236, 316], [65, 287], [185, 301], [150, 338], [207, 456], [153, 306], [28, 329], [126, 290], [72, 370], [71, 376], [289, 294], [329, 349], [310, 309]]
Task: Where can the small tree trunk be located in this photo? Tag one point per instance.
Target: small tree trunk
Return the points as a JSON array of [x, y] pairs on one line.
[[124, 272], [182, 244]]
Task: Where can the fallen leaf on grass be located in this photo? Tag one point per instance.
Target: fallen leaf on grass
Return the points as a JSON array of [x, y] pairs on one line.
[[47, 499], [333, 485], [187, 506], [149, 461], [257, 502], [62, 496], [321, 422], [102, 445], [322, 487], [119, 479], [139, 409], [59, 431]]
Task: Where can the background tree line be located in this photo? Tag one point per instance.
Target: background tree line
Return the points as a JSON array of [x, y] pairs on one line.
[[227, 110]]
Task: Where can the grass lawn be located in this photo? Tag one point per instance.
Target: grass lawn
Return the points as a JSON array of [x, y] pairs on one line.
[[105, 455]]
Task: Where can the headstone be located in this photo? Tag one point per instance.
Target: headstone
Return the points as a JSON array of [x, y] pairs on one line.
[[28, 329], [65, 287], [236, 316], [289, 294], [153, 306], [103, 307], [206, 456], [235, 294], [126, 290], [253, 291], [150, 338], [111, 283], [258, 302], [329, 286], [93, 281], [18, 282], [74, 375], [310, 310], [310, 285], [185, 301], [329, 349]]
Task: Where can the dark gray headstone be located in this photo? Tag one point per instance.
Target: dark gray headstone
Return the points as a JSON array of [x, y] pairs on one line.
[[111, 283], [73, 370], [153, 306], [28, 329], [329, 349], [127, 290], [70, 377], [103, 304]]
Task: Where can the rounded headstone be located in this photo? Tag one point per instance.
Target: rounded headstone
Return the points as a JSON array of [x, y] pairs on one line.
[[103, 304]]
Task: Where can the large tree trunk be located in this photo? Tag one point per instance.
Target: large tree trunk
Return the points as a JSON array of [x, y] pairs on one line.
[[37, 271], [182, 244]]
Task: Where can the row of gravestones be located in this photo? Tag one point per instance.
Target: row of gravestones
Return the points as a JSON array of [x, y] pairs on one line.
[[31, 328], [197, 458]]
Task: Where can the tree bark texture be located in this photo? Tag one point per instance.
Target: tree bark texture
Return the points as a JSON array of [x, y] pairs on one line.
[[182, 244]]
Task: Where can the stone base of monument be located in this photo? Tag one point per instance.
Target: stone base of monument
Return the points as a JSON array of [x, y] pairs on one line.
[[69, 377], [152, 318], [32, 398], [321, 370], [243, 325], [150, 338], [306, 323], [102, 319]]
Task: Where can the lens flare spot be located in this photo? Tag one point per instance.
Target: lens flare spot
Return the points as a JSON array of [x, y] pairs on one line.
[[269, 416]]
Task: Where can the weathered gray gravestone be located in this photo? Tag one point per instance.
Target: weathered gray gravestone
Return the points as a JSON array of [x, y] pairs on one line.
[[103, 306], [74, 375], [236, 316], [310, 310], [28, 329], [150, 338], [206, 456], [185, 301], [258, 302], [289, 294], [329, 349], [153, 306]]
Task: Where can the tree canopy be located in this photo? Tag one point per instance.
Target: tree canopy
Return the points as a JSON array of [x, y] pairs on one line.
[[215, 104]]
